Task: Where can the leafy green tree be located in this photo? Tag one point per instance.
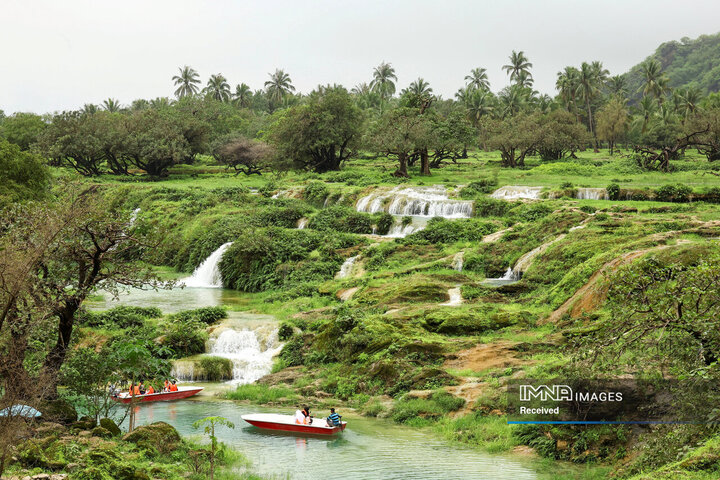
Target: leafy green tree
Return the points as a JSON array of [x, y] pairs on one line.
[[590, 78], [560, 134], [278, 87], [22, 129], [218, 88], [111, 105], [519, 67], [612, 121], [515, 136], [320, 134], [210, 423], [383, 81], [707, 122], [244, 155], [656, 83], [88, 374], [480, 103], [513, 99], [399, 133], [23, 175], [242, 96], [187, 82], [72, 139], [567, 84], [617, 84], [478, 79]]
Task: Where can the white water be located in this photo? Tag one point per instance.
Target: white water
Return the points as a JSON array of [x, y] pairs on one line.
[[302, 223], [418, 203], [251, 350], [592, 194], [207, 275], [455, 297], [517, 192], [457, 261], [347, 267]]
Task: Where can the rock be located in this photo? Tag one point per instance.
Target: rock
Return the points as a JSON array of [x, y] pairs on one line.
[[110, 425], [85, 433], [70, 467], [160, 435], [50, 428], [58, 476], [101, 432], [90, 421], [41, 476], [58, 410]]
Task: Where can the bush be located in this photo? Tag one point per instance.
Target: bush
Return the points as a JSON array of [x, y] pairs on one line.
[[438, 404], [474, 189], [206, 315], [285, 332], [613, 191], [440, 230], [185, 338], [315, 193], [260, 393], [118, 317], [673, 193], [343, 219], [491, 207], [531, 212], [384, 222], [215, 369]]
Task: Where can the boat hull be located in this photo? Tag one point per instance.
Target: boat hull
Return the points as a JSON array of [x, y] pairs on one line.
[[283, 425], [183, 392]]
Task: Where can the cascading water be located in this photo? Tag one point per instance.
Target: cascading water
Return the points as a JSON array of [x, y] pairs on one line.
[[302, 223], [207, 275], [457, 261], [517, 192], [455, 297], [347, 267], [418, 203], [514, 273], [250, 350], [592, 194]]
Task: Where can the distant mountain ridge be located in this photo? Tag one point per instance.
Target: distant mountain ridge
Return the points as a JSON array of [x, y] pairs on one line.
[[687, 63]]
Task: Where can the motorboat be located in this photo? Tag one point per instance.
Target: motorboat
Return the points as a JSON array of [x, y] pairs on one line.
[[287, 423]]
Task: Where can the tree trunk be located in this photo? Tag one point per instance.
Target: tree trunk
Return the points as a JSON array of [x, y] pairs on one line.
[[424, 162], [402, 167], [56, 357], [590, 123]]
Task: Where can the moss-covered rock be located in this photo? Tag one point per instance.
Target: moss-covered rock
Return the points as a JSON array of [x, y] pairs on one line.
[[58, 410], [101, 432], [110, 425], [159, 435]]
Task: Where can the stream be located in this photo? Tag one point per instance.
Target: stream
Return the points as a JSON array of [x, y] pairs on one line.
[[370, 448]]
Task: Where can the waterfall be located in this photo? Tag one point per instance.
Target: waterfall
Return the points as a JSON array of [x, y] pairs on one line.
[[398, 230], [455, 297], [207, 275], [517, 192], [133, 217], [250, 350], [346, 267], [592, 194], [302, 223], [457, 261]]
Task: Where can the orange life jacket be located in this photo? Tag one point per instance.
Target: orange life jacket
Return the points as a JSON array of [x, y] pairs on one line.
[[173, 388], [149, 390], [166, 385], [136, 390]]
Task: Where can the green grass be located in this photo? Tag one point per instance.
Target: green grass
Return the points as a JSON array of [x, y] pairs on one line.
[[261, 394]]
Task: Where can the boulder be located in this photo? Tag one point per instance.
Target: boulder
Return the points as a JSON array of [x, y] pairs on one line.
[[101, 432], [50, 428], [159, 435], [110, 425], [89, 421], [58, 410]]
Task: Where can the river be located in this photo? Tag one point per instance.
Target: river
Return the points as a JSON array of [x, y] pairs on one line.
[[370, 448]]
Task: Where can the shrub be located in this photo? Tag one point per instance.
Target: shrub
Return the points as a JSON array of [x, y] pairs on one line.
[[673, 193], [384, 222], [438, 404], [215, 369], [343, 219], [285, 332], [474, 189], [316, 192], [119, 317], [207, 315], [440, 230], [532, 211], [260, 393], [185, 338], [491, 207], [613, 191]]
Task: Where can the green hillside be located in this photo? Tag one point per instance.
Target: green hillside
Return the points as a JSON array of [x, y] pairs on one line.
[[687, 63]]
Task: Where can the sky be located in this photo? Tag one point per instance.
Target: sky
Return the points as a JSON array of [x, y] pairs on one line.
[[58, 55]]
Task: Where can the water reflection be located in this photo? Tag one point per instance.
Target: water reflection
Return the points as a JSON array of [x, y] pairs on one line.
[[169, 301]]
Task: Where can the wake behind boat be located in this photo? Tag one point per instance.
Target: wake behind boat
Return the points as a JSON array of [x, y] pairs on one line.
[[286, 423], [180, 393]]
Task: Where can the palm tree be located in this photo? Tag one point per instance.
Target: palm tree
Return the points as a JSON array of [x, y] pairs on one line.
[[544, 103], [160, 102], [361, 89], [589, 81], [218, 88], [419, 87], [463, 94], [647, 108], [524, 79], [242, 95], [479, 103], [518, 63], [478, 79], [111, 105], [618, 85], [656, 83], [686, 101], [382, 81], [567, 84], [89, 108], [139, 104], [513, 99], [278, 86], [187, 82]]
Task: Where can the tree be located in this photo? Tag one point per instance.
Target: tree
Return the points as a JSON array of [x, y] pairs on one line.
[[656, 83], [55, 255], [612, 121], [478, 79], [279, 85], [382, 82], [210, 423], [519, 67], [111, 105], [617, 85], [559, 134], [515, 136], [72, 139], [706, 121], [218, 88], [320, 134], [244, 155], [590, 78], [22, 129], [567, 84], [187, 82], [242, 96], [399, 133], [479, 104], [513, 99], [23, 175]]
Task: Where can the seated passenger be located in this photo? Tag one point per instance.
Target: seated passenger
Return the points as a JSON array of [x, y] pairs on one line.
[[173, 387], [150, 390], [333, 420]]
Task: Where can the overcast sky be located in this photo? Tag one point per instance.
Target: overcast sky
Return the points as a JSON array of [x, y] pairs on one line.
[[60, 54]]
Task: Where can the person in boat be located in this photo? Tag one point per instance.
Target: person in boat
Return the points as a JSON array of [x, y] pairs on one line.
[[150, 390], [142, 388], [134, 390], [166, 385], [333, 420], [173, 387], [303, 416]]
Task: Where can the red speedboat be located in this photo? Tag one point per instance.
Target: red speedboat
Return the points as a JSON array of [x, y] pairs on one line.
[[286, 423], [182, 392]]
